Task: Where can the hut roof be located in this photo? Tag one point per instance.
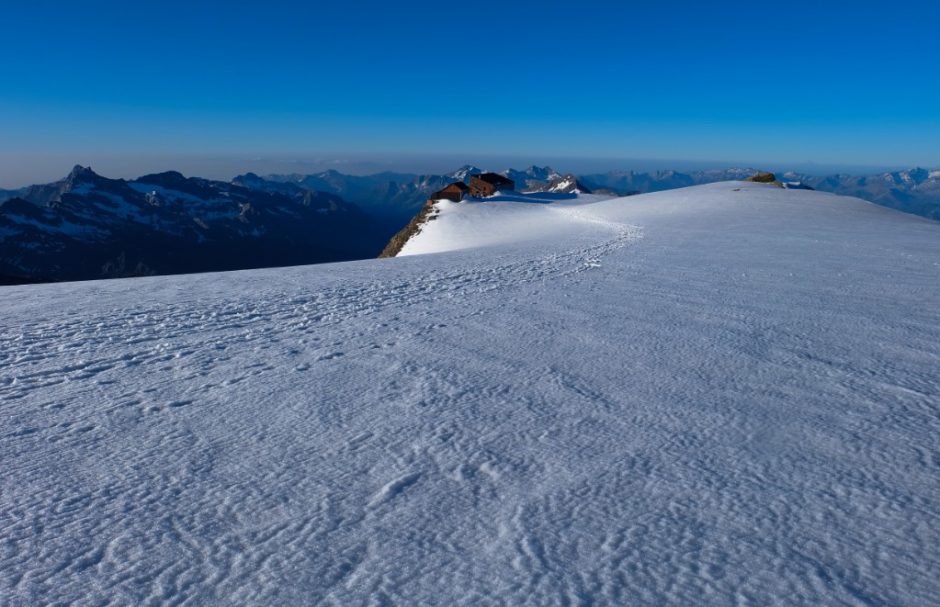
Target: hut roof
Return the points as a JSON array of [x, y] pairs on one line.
[[494, 178]]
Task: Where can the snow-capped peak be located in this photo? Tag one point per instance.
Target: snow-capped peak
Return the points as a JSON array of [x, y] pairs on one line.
[[464, 172], [567, 184]]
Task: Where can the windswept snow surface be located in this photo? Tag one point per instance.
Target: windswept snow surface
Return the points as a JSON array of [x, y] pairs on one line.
[[724, 395], [507, 220]]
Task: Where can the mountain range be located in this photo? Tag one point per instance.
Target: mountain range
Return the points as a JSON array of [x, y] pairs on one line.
[[398, 196], [86, 226]]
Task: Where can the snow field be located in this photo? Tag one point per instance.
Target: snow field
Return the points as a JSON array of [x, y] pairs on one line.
[[721, 395]]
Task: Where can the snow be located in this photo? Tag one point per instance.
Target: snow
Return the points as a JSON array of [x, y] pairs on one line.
[[463, 172], [223, 208], [168, 194], [720, 395], [506, 219]]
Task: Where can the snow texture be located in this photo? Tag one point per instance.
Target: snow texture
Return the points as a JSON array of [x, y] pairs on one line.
[[724, 395]]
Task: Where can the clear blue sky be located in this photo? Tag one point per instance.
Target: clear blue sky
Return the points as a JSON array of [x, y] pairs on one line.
[[751, 82]]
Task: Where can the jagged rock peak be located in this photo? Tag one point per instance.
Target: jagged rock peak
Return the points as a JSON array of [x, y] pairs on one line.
[[540, 172], [567, 184], [80, 173]]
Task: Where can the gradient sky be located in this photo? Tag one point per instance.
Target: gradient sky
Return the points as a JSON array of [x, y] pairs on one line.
[[149, 83]]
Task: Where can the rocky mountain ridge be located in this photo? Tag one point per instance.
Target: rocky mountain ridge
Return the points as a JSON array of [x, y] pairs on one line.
[[88, 226]]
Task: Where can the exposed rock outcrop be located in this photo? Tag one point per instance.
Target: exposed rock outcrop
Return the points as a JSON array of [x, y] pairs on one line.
[[427, 213], [762, 178]]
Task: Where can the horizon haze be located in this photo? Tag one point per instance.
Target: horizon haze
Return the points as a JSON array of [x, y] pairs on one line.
[[19, 172]]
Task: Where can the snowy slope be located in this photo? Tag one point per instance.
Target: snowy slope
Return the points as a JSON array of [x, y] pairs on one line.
[[720, 395], [508, 219]]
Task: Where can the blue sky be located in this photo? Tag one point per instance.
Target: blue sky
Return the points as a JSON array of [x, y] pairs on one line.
[[171, 82]]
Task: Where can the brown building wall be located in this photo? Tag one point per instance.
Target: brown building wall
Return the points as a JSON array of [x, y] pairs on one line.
[[452, 195], [452, 192], [480, 188]]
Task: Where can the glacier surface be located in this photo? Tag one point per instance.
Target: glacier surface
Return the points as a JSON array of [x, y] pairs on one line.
[[722, 395]]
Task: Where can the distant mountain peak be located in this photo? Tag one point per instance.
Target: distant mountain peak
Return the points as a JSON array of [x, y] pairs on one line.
[[545, 173], [167, 179], [564, 184], [464, 172], [535, 170], [80, 173], [532, 178], [248, 179], [919, 174]]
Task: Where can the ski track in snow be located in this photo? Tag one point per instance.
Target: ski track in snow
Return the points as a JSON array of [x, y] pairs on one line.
[[680, 398]]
